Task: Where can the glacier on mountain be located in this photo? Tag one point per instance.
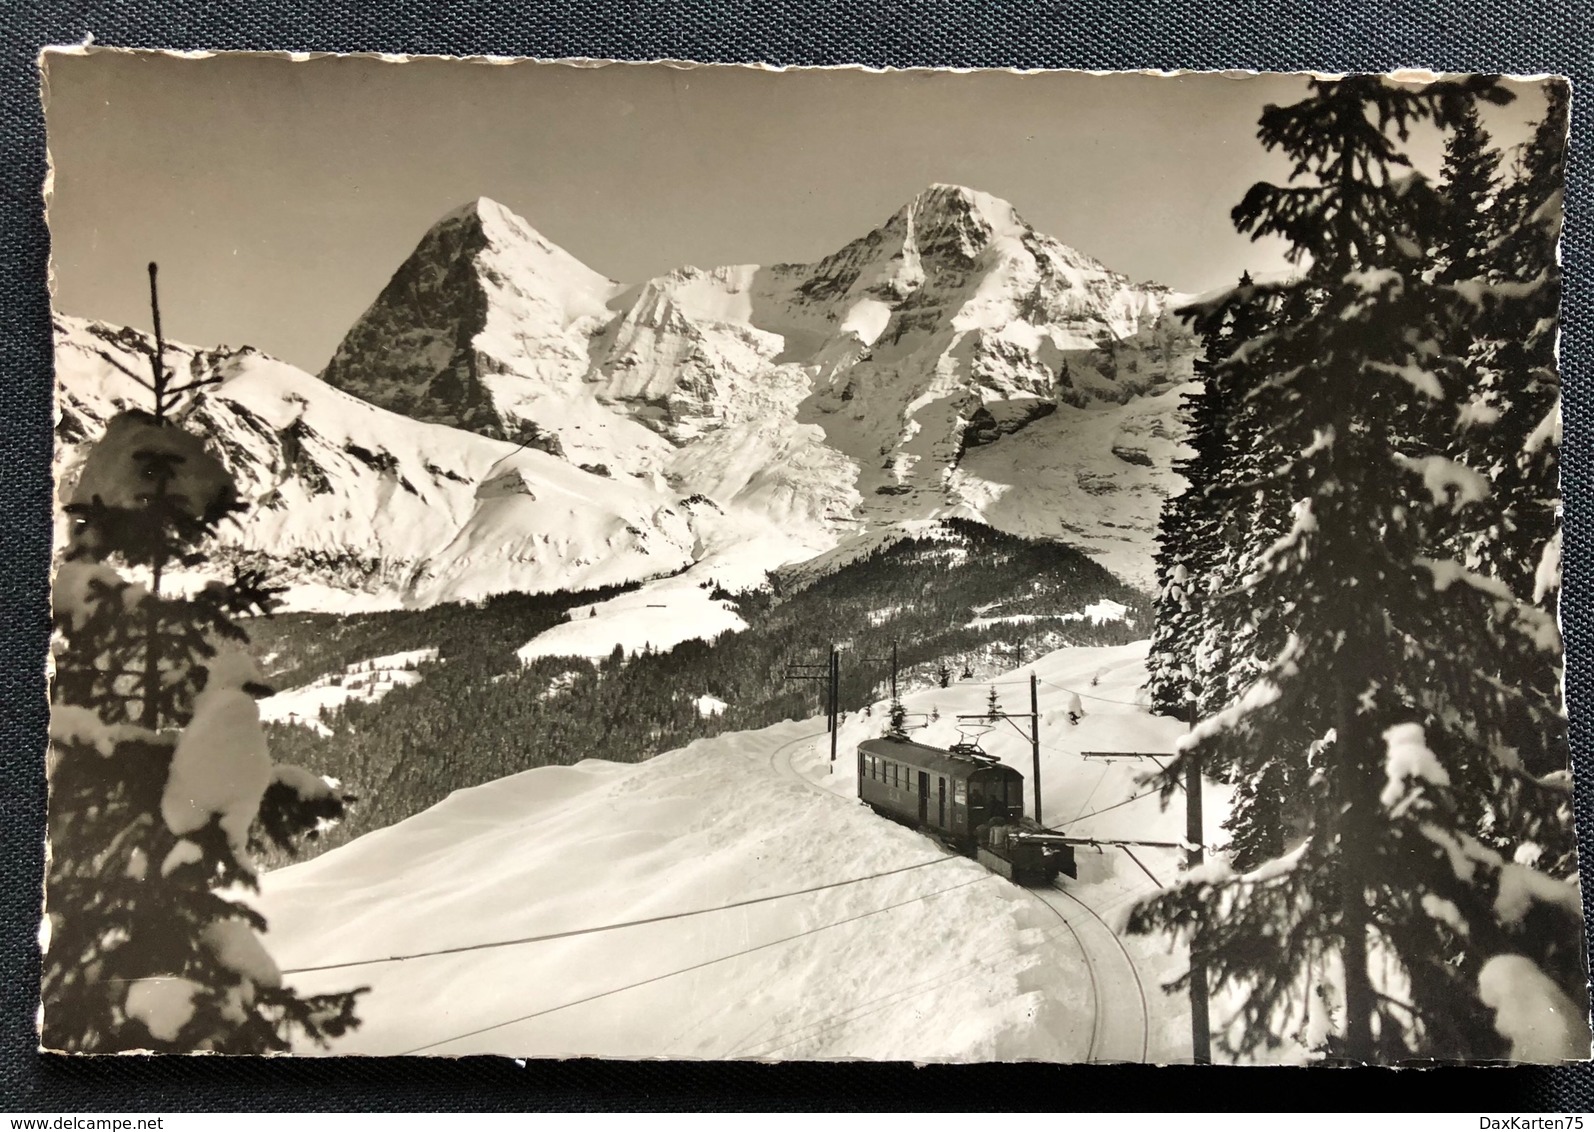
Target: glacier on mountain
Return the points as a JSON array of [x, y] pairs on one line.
[[504, 417]]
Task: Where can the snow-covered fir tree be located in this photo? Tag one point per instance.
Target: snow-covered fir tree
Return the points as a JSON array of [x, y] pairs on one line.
[[1511, 420], [161, 787], [897, 721], [1469, 181], [1208, 531], [1209, 537], [1406, 906]]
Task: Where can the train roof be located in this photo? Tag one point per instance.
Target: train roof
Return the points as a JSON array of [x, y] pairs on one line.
[[950, 763]]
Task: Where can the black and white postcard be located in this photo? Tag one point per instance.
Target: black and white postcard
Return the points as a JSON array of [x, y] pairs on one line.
[[705, 562]]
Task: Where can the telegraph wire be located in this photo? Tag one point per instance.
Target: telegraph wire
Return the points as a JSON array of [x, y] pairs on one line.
[[693, 967], [612, 927]]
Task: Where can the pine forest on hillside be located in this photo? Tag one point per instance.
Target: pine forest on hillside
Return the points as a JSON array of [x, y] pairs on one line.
[[963, 605]]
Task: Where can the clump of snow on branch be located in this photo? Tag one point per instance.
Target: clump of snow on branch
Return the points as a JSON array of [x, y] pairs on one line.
[[185, 852], [164, 1005], [307, 785], [1259, 695], [1547, 575], [113, 472], [1292, 541], [1531, 1012], [1547, 432], [221, 767], [1407, 757], [81, 585], [1535, 624], [1262, 693], [72, 724], [1446, 912], [1451, 484], [1423, 381], [1522, 887], [237, 948]]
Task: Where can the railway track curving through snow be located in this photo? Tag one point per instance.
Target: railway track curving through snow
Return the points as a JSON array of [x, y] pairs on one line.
[[1114, 1036], [780, 759]]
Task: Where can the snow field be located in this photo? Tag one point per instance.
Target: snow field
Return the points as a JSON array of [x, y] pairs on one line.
[[1081, 797], [944, 961], [365, 682]]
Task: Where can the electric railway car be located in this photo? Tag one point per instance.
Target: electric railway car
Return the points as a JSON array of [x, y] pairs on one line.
[[967, 799]]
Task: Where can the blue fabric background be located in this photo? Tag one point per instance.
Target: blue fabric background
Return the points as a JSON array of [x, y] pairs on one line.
[[1518, 36]]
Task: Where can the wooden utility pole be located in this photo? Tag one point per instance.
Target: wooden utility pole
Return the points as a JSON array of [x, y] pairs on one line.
[[832, 680], [1195, 835], [835, 699], [1035, 741]]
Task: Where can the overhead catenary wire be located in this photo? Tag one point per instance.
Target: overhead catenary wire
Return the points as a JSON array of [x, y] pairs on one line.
[[615, 926], [1115, 805], [1084, 695], [694, 967]]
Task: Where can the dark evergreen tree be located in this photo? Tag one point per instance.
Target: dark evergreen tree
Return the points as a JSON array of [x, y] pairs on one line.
[[1511, 423], [1469, 181], [161, 787], [943, 675], [993, 707], [1382, 702], [897, 723], [1200, 531]]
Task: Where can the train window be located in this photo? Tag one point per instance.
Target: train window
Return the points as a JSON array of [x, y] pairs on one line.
[[873, 763], [976, 793], [959, 792]]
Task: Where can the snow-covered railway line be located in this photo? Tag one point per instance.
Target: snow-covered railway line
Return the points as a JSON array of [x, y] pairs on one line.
[[780, 759], [1114, 1037]]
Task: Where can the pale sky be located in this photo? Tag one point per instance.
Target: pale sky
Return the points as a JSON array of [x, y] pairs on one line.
[[279, 197]]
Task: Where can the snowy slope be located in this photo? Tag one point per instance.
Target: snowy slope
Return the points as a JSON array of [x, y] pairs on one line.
[[350, 497], [927, 959]]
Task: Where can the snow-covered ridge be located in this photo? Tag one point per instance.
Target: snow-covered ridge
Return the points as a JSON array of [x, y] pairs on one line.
[[844, 391], [347, 495], [502, 417]]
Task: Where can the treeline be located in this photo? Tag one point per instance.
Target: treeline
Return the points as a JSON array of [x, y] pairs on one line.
[[478, 714], [1357, 597]]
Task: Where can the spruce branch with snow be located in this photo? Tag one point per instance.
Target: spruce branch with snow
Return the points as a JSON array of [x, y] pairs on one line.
[[158, 771], [1381, 704]]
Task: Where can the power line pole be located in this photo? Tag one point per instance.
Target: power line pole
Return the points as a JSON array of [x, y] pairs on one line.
[[1195, 835], [796, 670], [1035, 741], [835, 701]]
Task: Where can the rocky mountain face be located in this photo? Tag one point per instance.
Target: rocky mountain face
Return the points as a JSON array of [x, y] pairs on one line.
[[951, 362]]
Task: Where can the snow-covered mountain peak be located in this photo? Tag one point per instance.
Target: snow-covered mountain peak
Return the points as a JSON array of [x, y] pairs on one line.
[[958, 221], [352, 503], [484, 294], [902, 378]]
